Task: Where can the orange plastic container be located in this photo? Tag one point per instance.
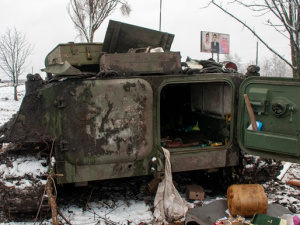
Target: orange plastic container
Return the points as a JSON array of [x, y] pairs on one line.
[[247, 200]]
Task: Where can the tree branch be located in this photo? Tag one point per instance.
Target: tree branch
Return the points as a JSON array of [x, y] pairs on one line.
[[88, 15], [254, 33]]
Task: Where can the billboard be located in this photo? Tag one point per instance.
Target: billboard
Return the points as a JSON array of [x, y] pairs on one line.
[[212, 42]]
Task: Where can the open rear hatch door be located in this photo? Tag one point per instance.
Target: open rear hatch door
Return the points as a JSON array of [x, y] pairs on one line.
[[275, 102]]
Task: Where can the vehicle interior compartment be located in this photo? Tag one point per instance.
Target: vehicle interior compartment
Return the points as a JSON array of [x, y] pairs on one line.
[[195, 114]]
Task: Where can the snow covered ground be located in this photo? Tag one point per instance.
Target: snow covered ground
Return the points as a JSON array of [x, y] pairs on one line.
[[124, 202], [8, 105]]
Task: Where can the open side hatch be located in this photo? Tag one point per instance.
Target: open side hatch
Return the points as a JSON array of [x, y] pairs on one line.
[[195, 115], [275, 102]]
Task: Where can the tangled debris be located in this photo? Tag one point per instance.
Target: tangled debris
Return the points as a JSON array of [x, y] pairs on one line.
[[22, 183]]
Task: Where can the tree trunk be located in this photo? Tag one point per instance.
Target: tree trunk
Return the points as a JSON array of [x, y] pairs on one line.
[[295, 59], [15, 92], [296, 64], [296, 72]]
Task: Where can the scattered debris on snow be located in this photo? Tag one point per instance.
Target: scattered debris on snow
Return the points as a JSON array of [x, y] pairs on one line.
[[28, 166], [286, 167]]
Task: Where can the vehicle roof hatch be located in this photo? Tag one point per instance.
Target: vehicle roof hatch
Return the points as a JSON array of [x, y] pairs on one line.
[[120, 37]]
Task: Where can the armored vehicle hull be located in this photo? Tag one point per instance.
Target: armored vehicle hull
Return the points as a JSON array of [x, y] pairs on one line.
[[112, 128], [106, 110]]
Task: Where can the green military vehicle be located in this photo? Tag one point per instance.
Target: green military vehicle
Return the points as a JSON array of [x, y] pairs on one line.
[[106, 110]]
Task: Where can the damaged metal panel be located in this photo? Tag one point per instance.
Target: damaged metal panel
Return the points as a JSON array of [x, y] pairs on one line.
[[212, 98], [84, 173], [120, 37], [62, 69], [113, 119], [142, 63], [76, 54], [29, 125], [209, 158], [105, 122]]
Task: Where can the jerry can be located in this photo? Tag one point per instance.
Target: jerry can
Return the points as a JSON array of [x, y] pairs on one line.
[[246, 200]]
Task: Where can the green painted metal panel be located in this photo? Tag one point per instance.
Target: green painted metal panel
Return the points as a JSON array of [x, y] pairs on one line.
[[280, 143], [111, 122], [276, 104], [77, 54]]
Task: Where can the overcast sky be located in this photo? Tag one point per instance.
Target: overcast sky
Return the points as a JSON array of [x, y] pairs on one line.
[[46, 23]]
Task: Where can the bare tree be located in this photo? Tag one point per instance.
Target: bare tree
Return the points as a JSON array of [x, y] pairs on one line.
[[286, 22], [14, 52], [88, 15], [274, 67]]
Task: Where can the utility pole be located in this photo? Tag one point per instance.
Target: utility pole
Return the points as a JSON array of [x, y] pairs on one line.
[[160, 16], [256, 53]]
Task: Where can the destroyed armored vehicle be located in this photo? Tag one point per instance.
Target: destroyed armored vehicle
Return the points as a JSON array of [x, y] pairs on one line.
[[107, 109]]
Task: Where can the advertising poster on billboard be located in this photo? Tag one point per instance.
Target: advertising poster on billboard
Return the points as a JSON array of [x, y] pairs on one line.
[[212, 42]]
